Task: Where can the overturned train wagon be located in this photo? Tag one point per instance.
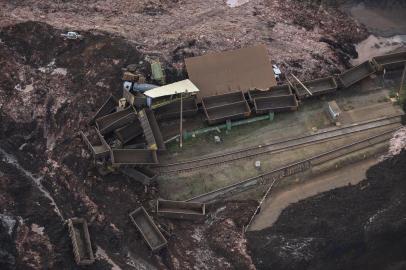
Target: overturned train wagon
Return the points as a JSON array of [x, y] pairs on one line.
[[79, 234], [390, 61], [99, 149], [133, 157], [149, 231], [180, 210], [151, 130], [140, 174], [108, 107], [356, 74], [110, 122], [128, 132], [155, 129]]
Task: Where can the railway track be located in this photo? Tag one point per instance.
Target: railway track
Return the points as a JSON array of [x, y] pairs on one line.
[[273, 176], [216, 160]]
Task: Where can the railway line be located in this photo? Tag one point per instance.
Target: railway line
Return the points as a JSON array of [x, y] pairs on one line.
[[216, 160], [271, 177]]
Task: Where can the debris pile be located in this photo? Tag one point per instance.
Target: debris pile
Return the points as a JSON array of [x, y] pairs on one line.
[[398, 142], [124, 138]]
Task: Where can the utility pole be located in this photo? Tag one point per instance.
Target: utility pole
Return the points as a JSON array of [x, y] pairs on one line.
[[181, 121], [402, 80]]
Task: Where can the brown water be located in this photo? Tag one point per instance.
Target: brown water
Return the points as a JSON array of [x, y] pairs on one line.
[[275, 204], [387, 25], [385, 20], [374, 46]]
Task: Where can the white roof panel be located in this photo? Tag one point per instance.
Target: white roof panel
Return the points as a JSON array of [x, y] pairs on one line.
[[173, 88]]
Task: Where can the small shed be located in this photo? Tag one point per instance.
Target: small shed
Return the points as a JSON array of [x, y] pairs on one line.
[[185, 86], [333, 110], [219, 73]]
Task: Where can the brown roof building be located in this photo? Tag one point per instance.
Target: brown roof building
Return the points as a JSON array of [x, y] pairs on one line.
[[230, 71]]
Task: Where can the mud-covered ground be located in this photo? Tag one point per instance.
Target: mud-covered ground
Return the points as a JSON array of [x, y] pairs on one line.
[[49, 88], [356, 227], [301, 36]]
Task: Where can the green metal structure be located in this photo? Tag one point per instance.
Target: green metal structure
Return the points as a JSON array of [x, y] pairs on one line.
[[228, 125]]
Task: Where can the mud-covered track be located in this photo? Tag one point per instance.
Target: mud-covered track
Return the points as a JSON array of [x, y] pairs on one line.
[[216, 160]]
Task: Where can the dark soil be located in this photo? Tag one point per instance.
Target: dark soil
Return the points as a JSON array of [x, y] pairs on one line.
[[355, 227], [49, 89], [40, 132]]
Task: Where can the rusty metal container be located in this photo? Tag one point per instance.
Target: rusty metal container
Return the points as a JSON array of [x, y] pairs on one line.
[[99, 150], [141, 174], [133, 157], [225, 107], [275, 104], [79, 235], [172, 110], [149, 231], [156, 131], [180, 210], [233, 111], [221, 100], [129, 132], [110, 122], [356, 74], [280, 90], [390, 61], [108, 107], [316, 87]]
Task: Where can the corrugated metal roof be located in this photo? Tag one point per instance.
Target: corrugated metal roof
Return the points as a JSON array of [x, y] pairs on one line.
[[172, 89]]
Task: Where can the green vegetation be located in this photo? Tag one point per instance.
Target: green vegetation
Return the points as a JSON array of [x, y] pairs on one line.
[[401, 99], [402, 96], [392, 93]]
